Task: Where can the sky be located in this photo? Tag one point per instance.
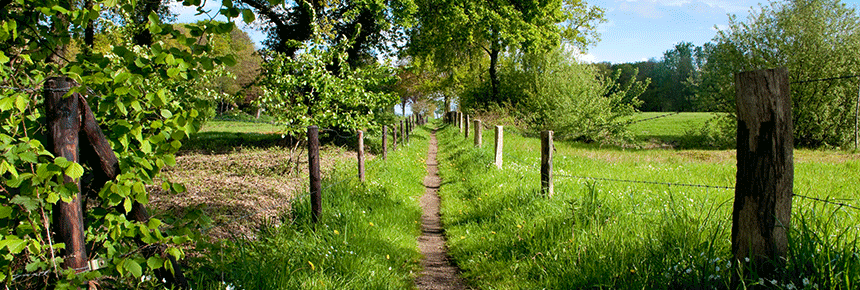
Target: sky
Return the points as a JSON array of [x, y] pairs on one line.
[[638, 30], [635, 30]]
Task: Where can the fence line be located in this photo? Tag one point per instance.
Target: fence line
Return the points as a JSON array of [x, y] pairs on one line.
[[99, 263], [534, 167], [652, 118]]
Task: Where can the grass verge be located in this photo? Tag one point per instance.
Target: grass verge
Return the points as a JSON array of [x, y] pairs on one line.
[[611, 235], [365, 239]]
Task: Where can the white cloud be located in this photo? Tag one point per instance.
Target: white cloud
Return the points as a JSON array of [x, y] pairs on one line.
[[586, 58]]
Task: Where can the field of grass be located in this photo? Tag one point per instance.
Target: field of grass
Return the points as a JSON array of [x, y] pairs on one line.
[[681, 130], [618, 235], [366, 237]]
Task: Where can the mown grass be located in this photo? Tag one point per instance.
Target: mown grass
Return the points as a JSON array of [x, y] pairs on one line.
[[615, 235], [683, 130], [365, 239]]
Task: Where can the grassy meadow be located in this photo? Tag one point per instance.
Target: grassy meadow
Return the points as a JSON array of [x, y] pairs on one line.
[[365, 239], [505, 234]]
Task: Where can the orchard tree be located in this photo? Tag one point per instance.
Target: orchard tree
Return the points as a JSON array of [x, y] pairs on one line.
[[814, 39]]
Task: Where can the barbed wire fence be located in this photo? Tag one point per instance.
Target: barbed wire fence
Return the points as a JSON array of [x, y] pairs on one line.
[[535, 168], [100, 263]]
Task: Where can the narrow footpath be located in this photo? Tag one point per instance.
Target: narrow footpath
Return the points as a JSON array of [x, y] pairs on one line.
[[438, 272]]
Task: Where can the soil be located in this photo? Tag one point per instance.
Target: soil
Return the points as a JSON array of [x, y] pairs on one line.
[[439, 272]]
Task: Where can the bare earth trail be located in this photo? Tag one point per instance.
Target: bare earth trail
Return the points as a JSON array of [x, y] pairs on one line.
[[438, 271]]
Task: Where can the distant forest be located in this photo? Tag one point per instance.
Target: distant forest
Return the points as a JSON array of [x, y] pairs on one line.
[[674, 79]]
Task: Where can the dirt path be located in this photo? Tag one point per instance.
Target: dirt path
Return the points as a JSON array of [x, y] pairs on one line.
[[438, 272]]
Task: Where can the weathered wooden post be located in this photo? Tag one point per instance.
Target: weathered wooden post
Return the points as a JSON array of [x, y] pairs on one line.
[[765, 173], [394, 137], [460, 121], [64, 122], [402, 134], [361, 155], [857, 119], [499, 145], [546, 163], [478, 133], [314, 172], [466, 126], [384, 142]]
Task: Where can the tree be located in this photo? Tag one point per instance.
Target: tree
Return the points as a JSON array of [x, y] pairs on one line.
[[814, 39], [450, 33]]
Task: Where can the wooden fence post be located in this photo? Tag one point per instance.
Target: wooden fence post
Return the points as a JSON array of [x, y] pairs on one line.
[[466, 127], [402, 134], [499, 145], [64, 122], [384, 142], [857, 119], [460, 121], [765, 173], [314, 172], [478, 133], [361, 155], [546, 163], [394, 137]]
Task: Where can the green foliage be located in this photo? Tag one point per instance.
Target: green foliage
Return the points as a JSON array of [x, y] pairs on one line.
[[455, 36], [553, 92], [301, 91], [142, 100], [814, 39]]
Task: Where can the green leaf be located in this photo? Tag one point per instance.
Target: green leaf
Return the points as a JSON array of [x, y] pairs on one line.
[[166, 113], [27, 202], [52, 198], [154, 262], [178, 188], [133, 267], [5, 212], [126, 204], [21, 103], [247, 16], [6, 103], [74, 171]]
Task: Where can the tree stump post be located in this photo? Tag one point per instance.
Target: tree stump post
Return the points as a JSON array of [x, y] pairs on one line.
[[478, 133], [384, 142], [64, 122], [499, 145], [546, 147], [314, 172], [765, 172], [361, 155]]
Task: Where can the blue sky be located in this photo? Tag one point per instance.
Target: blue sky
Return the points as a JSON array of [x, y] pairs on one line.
[[635, 30]]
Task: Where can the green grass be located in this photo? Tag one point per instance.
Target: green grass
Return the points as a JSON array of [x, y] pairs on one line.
[[365, 239], [611, 235], [679, 130]]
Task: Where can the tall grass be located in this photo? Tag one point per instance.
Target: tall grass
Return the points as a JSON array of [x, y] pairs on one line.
[[365, 239], [611, 235]]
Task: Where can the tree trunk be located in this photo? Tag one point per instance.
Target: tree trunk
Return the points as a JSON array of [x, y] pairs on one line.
[[494, 76]]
